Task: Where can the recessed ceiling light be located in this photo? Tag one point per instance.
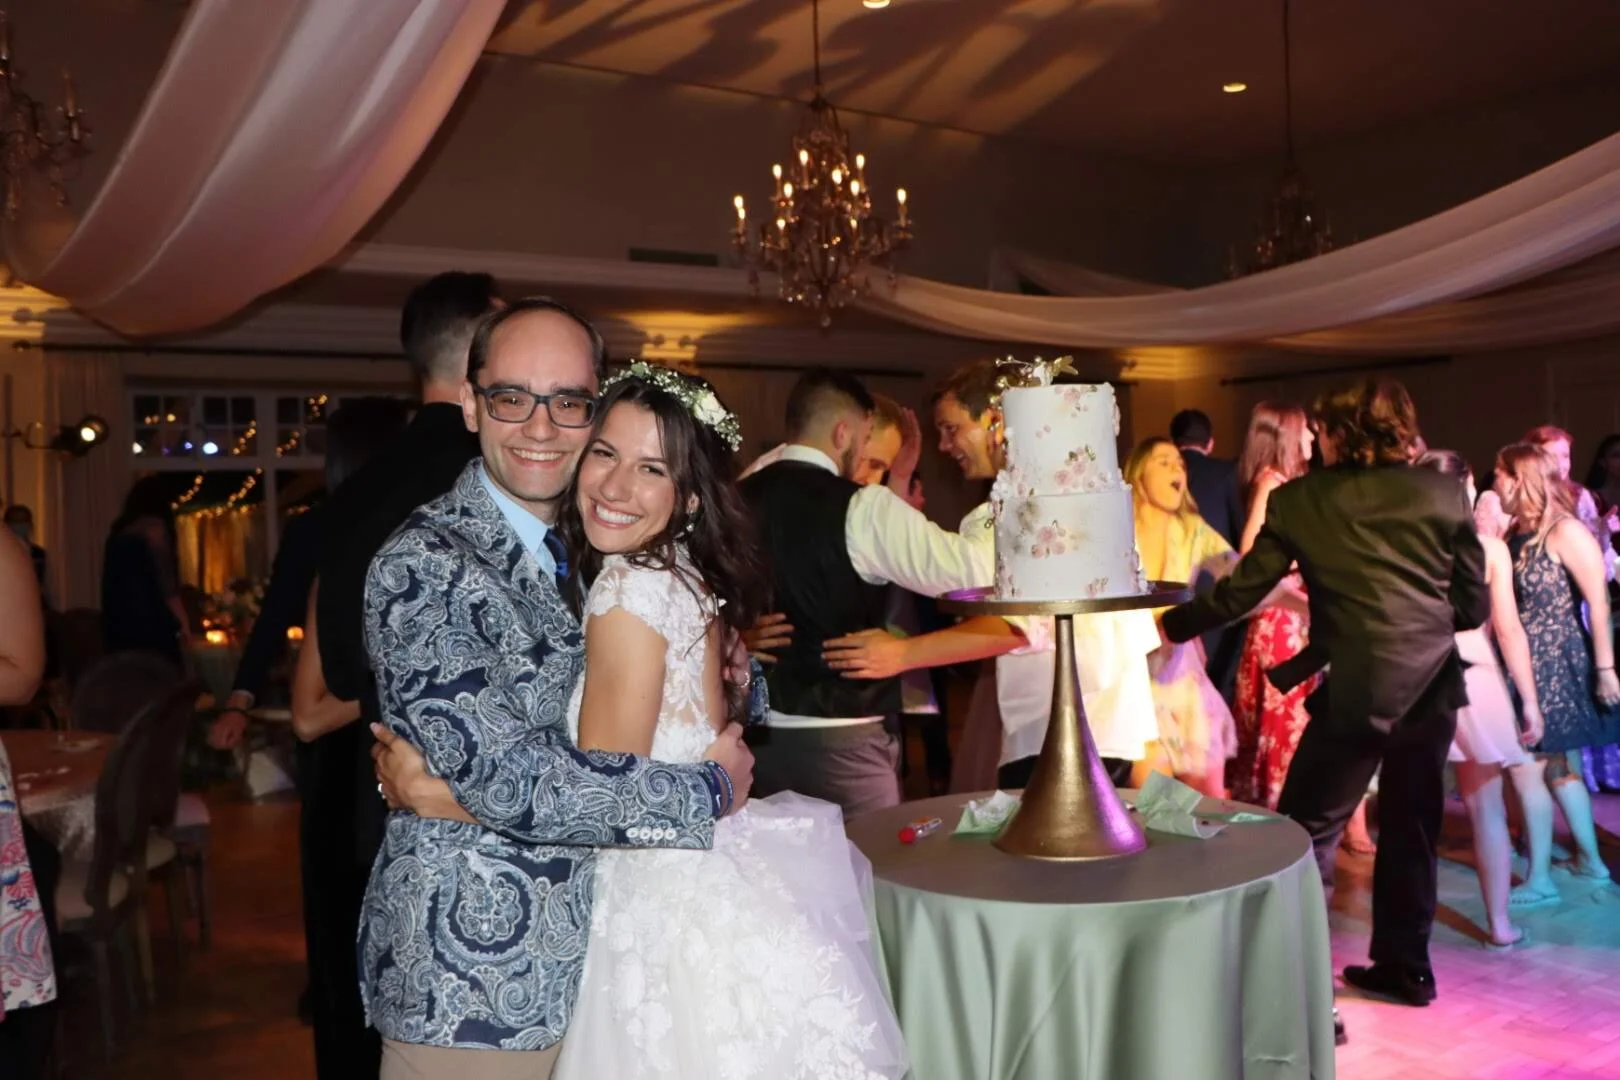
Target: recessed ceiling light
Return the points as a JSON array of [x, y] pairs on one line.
[[1234, 87], [875, 5]]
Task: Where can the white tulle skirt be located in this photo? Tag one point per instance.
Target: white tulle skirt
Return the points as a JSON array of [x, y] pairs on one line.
[[755, 959], [1488, 726]]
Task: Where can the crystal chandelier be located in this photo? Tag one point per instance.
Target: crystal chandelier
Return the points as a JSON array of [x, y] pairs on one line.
[[1291, 231], [820, 230], [35, 139]]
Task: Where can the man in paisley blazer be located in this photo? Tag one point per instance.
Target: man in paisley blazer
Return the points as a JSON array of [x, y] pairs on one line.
[[473, 937]]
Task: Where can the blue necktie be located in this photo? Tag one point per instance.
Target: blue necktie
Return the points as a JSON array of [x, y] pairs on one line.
[[559, 554]]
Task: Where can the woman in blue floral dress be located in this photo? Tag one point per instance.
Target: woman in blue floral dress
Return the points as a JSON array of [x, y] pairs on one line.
[[1556, 564]]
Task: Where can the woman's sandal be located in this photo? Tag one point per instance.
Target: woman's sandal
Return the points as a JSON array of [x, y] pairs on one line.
[[1583, 869], [1524, 898], [1520, 938]]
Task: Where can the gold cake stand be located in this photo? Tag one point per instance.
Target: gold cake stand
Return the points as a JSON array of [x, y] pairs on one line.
[[1069, 810]]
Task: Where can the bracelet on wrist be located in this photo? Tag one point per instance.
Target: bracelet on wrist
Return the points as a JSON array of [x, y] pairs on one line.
[[725, 794]]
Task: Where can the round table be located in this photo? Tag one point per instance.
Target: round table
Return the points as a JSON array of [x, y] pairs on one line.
[[1195, 959], [55, 775]]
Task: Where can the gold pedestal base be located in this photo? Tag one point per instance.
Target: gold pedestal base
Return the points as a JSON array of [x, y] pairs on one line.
[[1069, 810]]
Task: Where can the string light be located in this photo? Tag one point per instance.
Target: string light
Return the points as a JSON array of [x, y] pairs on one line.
[[247, 436], [191, 493], [290, 445], [234, 504]]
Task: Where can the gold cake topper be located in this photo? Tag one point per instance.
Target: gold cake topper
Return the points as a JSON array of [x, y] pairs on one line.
[[1037, 372]]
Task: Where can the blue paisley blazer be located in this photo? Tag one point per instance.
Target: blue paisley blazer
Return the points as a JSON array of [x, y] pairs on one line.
[[474, 935]]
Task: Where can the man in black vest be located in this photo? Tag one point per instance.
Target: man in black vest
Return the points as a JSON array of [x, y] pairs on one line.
[[1393, 568], [435, 329], [834, 545]]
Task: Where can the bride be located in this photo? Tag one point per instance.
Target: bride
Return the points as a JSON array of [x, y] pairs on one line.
[[752, 959]]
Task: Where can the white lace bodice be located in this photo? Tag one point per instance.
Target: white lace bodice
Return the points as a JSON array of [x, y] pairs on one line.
[[673, 605]]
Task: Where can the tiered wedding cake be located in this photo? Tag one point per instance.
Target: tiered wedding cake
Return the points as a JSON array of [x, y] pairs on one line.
[[1064, 523]]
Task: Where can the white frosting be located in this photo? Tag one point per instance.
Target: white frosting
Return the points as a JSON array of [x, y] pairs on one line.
[[1061, 439], [1065, 528]]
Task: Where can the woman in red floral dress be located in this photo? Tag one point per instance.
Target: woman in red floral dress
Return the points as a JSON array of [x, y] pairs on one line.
[[1276, 450]]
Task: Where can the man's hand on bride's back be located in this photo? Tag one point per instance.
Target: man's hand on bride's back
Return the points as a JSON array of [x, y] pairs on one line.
[[730, 752]]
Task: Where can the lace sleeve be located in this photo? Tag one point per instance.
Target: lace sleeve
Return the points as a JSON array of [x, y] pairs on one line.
[[659, 598]]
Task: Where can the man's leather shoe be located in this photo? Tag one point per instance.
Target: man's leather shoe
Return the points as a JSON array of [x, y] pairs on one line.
[[1397, 984]]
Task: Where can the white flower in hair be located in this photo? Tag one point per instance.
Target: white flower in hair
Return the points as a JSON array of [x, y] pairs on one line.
[[708, 410]]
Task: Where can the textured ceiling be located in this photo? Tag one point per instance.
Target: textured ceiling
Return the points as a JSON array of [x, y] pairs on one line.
[[1133, 77]]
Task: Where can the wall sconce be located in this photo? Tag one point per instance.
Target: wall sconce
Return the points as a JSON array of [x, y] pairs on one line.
[[75, 439]]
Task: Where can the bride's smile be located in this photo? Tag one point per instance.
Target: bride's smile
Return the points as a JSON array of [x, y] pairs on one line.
[[626, 495]]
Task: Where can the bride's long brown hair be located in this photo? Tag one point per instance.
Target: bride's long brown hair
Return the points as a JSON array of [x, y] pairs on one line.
[[720, 538]]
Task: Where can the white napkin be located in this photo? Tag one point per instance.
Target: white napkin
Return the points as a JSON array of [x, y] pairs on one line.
[[987, 815], [1169, 806]]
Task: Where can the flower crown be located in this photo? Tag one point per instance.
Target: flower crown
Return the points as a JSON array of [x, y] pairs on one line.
[[698, 399]]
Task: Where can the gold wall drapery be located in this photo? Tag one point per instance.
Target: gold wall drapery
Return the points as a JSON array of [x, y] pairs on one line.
[[84, 494], [216, 549]]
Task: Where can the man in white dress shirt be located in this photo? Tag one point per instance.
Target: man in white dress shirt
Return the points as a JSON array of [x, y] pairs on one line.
[[834, 545], [1007, 722]]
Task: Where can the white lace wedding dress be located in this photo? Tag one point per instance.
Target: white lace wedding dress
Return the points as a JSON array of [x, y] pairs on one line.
[[752, 960]]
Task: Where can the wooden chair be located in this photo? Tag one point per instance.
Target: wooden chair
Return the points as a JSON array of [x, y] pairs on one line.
[[100, 902], [77, 635], [116, 688], [178, 849]]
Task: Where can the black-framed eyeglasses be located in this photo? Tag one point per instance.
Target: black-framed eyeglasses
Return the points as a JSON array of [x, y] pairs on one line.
[[512, 406]]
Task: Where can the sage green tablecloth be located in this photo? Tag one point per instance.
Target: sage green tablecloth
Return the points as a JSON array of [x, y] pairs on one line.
[[1193, 960]]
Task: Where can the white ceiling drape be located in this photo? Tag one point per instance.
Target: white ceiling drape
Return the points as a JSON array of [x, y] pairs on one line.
[[1566, 305], [273, 134], [1419, 288]]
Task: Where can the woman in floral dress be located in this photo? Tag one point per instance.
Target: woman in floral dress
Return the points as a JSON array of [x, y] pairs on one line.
[[1276, 450], [1196, 733], [1556, 564], [27, 977]]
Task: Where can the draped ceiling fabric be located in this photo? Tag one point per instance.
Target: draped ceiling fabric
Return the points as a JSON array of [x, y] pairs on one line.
[[1566, 305], [1419, 288], [273, 134]]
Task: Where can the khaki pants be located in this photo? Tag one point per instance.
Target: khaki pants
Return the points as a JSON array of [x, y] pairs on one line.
[[409, 1061], [856, 766]]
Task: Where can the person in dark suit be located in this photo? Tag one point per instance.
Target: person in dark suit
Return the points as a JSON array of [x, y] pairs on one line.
[[1394, 569], [1212, 481], [140, 576], [435, 330], [1213, 484]]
